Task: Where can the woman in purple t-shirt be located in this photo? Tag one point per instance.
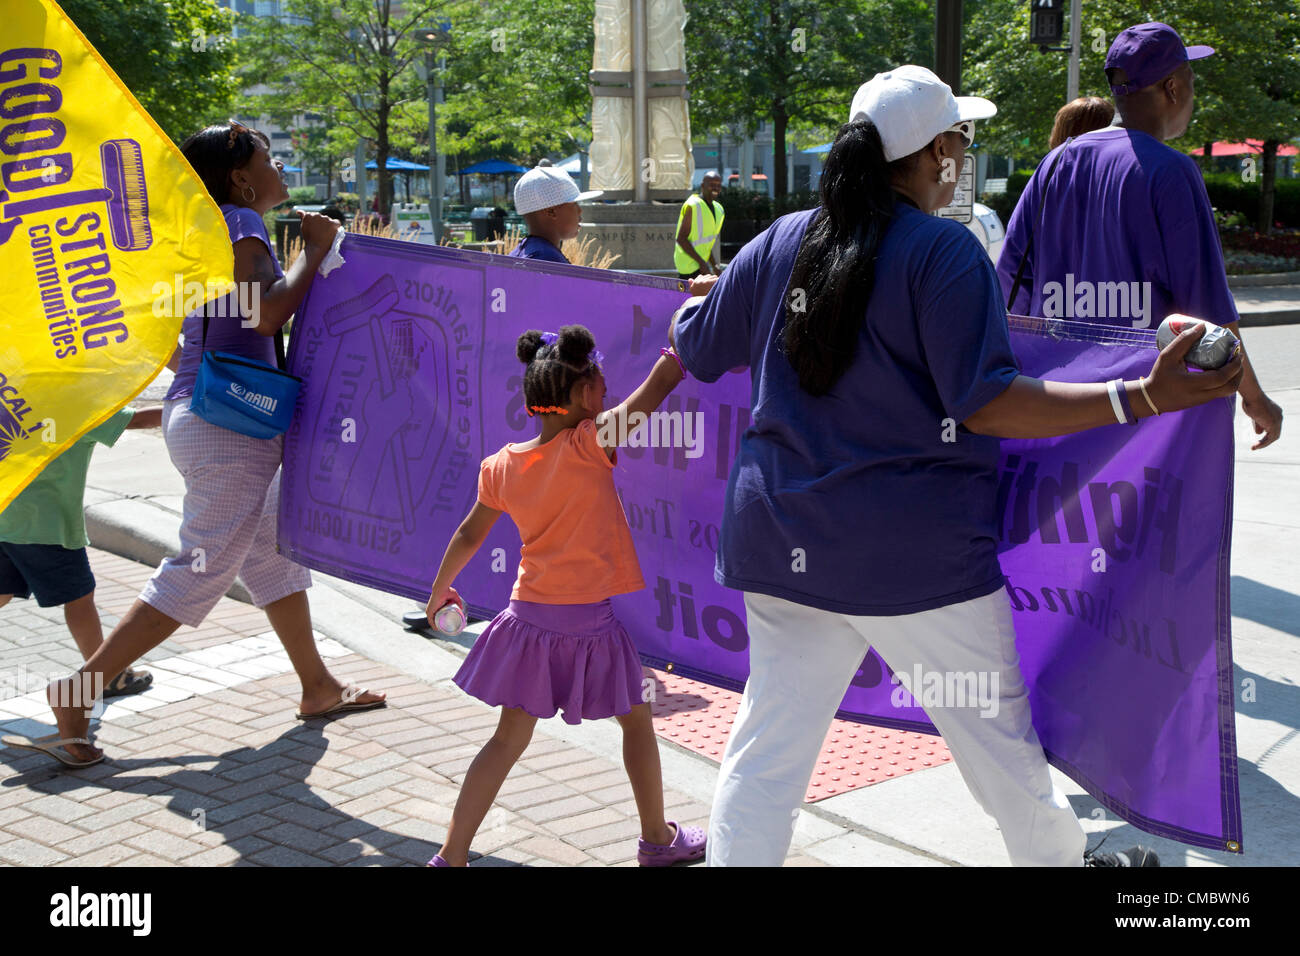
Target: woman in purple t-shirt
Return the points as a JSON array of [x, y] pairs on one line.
[[232, 481], [870, 326]]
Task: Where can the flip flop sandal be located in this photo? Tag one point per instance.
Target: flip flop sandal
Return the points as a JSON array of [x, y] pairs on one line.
[[53, 745], [347, 704], [128, 682], [687, 845]]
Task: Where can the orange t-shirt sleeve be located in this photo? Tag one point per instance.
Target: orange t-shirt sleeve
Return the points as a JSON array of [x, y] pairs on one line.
[[489, 484], [587, 443]]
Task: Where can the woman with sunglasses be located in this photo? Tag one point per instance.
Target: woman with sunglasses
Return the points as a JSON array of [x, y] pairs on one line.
[[860, 508]]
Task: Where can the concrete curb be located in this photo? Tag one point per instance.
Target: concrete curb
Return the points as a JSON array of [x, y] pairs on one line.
[[1264, 278], [1253, 320], [138, 529]]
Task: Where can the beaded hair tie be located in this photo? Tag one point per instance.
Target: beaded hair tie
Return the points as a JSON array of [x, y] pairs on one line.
[[544, 409], [551, 338], [236, 130]]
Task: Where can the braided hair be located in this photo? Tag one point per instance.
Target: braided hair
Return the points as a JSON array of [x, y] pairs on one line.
[[554, 369]]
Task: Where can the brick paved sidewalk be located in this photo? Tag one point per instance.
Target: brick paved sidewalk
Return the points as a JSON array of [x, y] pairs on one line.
[[227, 776]]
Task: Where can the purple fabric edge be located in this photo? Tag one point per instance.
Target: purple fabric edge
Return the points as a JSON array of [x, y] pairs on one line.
[[1230, 786]]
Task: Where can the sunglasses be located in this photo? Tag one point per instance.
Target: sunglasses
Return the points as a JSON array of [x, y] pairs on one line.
[[967, 130]]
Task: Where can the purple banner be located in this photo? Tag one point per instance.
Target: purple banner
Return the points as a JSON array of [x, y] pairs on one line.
[[1114, 542]]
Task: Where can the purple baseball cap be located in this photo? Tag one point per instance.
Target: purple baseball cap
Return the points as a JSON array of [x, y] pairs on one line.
[[1149, 52]]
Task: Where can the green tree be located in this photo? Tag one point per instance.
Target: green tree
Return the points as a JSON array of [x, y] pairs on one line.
[[795, 62], [348, 60], [516, 79], [1250, 88], [177, 58], [320, 146]]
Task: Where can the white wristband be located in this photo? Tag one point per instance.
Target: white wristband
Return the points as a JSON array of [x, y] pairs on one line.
[[1113, 392]]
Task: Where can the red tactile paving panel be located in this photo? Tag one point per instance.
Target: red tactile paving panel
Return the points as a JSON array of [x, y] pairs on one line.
[[699, 716]]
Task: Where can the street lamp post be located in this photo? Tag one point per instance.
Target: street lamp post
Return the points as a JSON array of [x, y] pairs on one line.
[[436, 159], [434, 65], [1076, 43]]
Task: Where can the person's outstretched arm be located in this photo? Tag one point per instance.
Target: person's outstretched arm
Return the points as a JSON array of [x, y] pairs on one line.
[[465, 542], [146, 418], [274, 301], [615, 424], [1198, 281], [1033, 408]]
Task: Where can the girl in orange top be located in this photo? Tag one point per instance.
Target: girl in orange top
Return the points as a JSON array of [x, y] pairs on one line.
[[558, 646]]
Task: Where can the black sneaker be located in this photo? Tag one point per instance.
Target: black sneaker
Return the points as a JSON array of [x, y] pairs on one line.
[[416, 620], [1133, 856]]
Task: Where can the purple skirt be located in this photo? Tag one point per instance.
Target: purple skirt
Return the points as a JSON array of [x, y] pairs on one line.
[[544, 658]]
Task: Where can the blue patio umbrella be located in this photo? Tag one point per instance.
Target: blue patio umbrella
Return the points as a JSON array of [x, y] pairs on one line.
[[404, 166], [493, 167], [395, 165]]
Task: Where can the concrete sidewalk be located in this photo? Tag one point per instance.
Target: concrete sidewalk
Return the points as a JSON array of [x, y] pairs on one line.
[[216, 742]]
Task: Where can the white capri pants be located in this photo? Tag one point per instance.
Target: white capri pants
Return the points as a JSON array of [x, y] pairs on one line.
[[801, 661], [232, 494]]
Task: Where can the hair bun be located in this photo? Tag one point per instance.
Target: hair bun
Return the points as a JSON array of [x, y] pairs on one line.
[[527, 345], [574, 345]]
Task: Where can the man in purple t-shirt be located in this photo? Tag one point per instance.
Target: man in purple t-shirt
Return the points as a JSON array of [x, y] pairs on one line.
[[1122, 231]]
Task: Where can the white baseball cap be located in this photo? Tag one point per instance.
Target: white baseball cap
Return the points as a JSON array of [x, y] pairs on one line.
[[910, 106], [545, 186]]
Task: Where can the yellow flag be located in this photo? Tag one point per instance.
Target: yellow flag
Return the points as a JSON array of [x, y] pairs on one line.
[[98, 209]]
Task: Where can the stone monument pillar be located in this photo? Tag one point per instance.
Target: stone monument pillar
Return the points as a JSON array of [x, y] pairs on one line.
[[641, 129]]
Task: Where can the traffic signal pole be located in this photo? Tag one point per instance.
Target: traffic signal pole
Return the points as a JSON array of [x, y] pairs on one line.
[[1046, 28], [947, 43]]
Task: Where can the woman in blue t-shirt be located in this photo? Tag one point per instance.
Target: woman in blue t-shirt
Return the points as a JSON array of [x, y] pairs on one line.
[[231, 480], [856, 517]]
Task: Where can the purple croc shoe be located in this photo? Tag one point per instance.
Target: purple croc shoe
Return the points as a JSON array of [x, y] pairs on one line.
[[686, 846]]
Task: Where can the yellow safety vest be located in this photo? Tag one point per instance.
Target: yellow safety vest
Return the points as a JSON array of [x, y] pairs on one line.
[[704, 232]]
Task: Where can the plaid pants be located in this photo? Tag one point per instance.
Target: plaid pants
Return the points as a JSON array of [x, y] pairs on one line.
[[232, 494]]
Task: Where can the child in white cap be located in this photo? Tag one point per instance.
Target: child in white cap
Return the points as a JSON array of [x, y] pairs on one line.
[[548, 200]]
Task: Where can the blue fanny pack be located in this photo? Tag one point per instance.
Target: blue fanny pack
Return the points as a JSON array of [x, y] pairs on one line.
[[244, 395]]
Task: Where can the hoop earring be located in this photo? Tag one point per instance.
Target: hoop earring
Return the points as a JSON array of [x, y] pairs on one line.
[[249, 189]]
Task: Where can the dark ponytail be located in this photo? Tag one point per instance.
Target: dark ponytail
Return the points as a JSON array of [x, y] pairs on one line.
[[554, 369], [836, 264]]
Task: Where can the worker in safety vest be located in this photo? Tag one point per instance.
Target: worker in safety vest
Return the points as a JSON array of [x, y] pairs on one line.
[[698, 226]]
